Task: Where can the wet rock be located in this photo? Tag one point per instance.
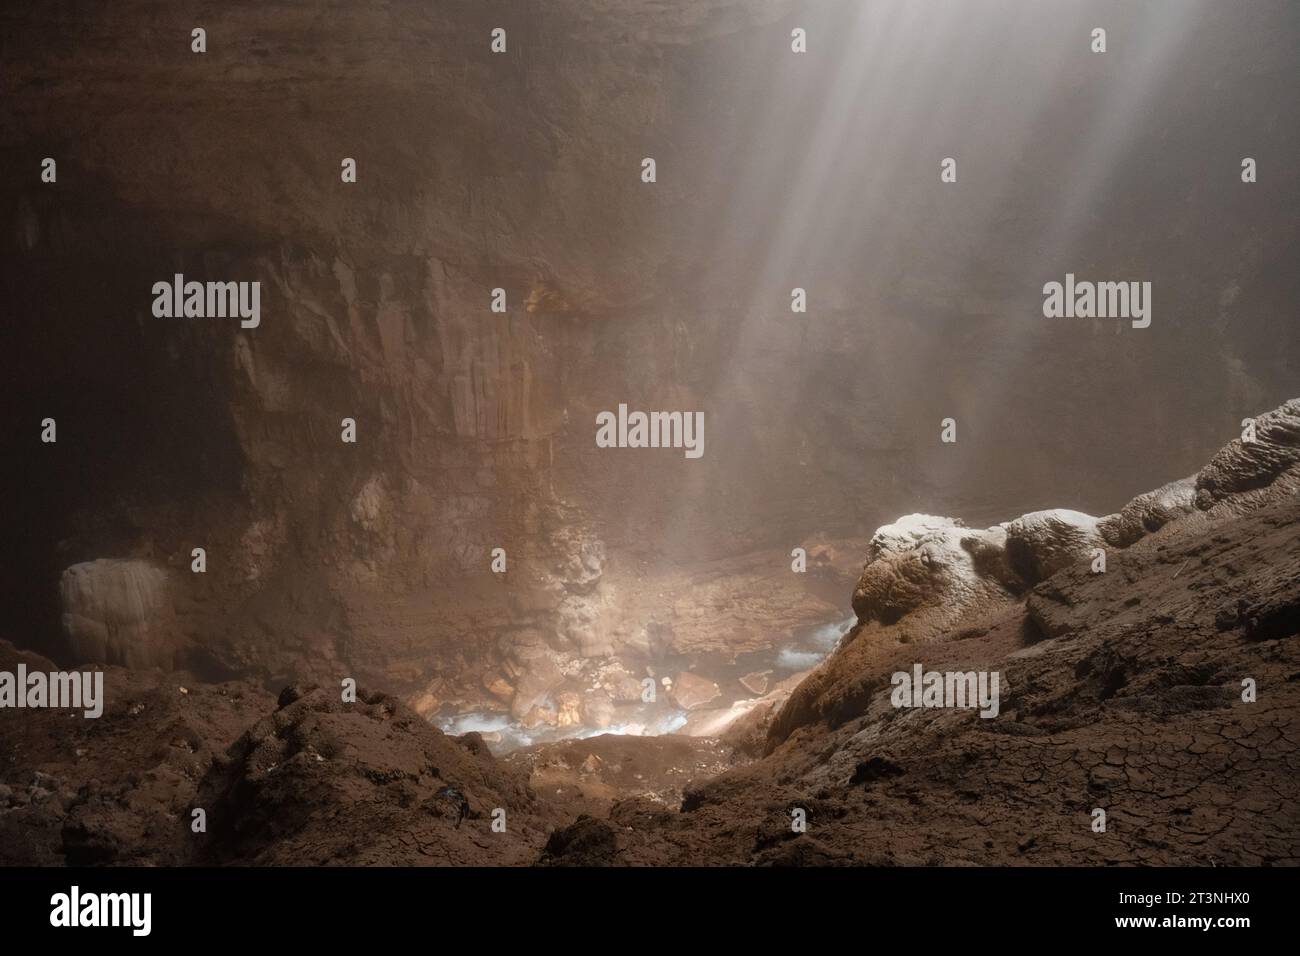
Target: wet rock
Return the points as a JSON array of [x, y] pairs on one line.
[[568, 710], [498, 686], [426, 705], [535, 685], [541, 716], [616, 681]]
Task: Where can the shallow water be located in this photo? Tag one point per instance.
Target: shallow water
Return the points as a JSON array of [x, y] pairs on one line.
[[649, 720], [801, 651]]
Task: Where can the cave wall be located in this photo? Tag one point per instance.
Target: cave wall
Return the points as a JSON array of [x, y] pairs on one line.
[[520, 171]]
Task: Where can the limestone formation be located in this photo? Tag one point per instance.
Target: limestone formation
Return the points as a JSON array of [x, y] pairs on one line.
[[1148, 512], [927, 563], [118, 611], [1242, 467], [1043, 542]]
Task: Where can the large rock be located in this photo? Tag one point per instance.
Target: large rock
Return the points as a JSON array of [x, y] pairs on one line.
[[322, 781], [924, 561], [535, 685], [118, 611], [579, 626], [1242, 467], [1043, 542], [931, 569], [1240, 477], [907, 533], [1148, 512]]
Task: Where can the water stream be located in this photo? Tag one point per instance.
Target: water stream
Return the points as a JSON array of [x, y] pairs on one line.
[[802, 651]]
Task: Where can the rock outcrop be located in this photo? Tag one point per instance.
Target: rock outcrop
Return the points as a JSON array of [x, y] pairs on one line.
[[118, 612], [937, 569], [1162, 691], [1042, 543], [119, 789], [930, 569], [1149, 512], [1243, 470], [320, 781]]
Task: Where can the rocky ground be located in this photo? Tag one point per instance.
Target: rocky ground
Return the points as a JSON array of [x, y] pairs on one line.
[[1124, 689], [683, 628]]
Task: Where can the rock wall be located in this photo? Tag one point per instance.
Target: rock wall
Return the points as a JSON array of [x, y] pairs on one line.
[[521, 172]]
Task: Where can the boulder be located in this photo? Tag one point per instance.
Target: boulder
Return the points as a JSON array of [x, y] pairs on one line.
[[497, 686], [1148, 512], [924, 561], [535, 684], [568, 709], [1043, 542], [118, 611], [907, 533]]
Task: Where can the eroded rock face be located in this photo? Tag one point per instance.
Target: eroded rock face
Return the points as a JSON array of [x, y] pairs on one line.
[[1042, 543], [925, 573], [118, 611], [1148, 512], [928, 562], [924, 563], [1243, 467]]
